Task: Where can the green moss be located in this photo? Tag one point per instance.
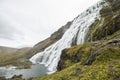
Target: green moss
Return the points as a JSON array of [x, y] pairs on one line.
[[74, 55], [73, 50], [83, 49], [93, 72], [106, 65], [108, 55], [106, 10], [14, 59], [99, 70], [107, 25], [114, 35]]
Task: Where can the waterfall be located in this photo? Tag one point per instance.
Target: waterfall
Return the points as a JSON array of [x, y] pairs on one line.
[[77, 31]]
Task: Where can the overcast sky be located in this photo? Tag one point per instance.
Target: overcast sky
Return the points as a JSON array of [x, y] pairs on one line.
[[26, 22]]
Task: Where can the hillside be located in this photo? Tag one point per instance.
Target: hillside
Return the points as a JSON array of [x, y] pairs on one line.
[[12, 56], [22, 55], [4, 50], [96, 60], [87, 48]]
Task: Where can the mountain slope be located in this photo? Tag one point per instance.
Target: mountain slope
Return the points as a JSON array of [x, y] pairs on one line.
[[4, 50], [13, 57], [88, 50], [73, 36], [108, 24], [96, 60], [20, 57], [105, 66]]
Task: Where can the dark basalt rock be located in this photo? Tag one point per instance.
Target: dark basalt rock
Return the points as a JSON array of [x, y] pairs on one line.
[[64, 56], [93, 55]]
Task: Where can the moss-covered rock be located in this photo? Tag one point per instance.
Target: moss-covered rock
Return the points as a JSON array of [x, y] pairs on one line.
[[104, 63], [107, 25], [105, 66], [103, 28], [73, 55], [98, 60]]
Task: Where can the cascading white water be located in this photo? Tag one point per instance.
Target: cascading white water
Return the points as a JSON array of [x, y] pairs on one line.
[[77, 31]]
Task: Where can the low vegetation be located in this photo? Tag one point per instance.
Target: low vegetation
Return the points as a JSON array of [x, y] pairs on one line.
[[105, 66], [96, 60], [99, 60], [15, 59]]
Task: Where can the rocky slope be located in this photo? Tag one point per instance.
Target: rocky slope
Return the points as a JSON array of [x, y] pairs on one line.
[[73, 36], [109, 23], [99, 57]]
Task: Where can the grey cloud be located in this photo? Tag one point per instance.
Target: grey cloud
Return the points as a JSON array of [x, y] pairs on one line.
[[5, 31]]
